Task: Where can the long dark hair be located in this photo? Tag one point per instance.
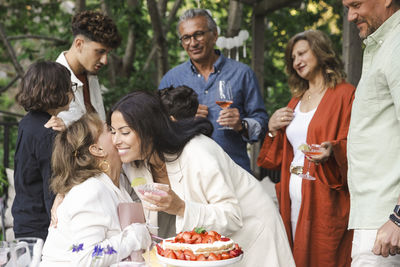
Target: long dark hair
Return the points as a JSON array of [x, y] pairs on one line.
[[145, 114]]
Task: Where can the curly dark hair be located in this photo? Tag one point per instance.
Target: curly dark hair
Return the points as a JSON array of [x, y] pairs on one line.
[[46, 85], [97, 27], [180, 102], [328, 61]]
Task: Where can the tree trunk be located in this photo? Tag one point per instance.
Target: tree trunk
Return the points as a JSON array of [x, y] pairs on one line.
[[352, 51], [80, 5], [170, 18], [234, 22], [113, 61], [262, 7], [257, 64], [130, 49], [234, 18], [11, 52], [161, 43]]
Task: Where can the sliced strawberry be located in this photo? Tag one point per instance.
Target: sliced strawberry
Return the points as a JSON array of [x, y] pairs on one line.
[[201, 257], [225, 256], [213, 233], [212, 257], [179, 236], [209, 239], [225, 239], [179, 254], [189, 255], [170, 254], [160, 251], [196, 238], [187, 236], [234, 253]]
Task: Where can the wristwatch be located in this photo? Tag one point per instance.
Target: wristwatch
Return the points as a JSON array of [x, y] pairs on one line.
[[245, 127], [394, 219], [397, 210]]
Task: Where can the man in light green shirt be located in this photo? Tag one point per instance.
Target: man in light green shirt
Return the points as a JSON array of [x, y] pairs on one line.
[[373, 146]]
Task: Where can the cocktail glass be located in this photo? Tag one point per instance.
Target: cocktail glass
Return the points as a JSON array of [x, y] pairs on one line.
[[311, 150]]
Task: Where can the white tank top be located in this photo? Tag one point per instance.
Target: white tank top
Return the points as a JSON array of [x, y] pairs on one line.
[[296, 133]]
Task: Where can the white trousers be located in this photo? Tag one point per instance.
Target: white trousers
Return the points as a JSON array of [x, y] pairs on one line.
[[295, 184], [362, 255]]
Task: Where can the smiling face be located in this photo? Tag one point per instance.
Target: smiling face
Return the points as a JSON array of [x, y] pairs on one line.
[[92, 56], [368, 15], [125, 139], [105, 142], [198, 51], [305, 63]]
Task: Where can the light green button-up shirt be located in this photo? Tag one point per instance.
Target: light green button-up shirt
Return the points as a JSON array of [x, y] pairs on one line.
[[373, 147]]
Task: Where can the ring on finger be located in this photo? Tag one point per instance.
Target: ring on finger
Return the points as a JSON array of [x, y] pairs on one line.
[[282, 118]]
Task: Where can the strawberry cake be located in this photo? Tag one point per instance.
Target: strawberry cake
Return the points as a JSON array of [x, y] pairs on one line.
[[199, 245]]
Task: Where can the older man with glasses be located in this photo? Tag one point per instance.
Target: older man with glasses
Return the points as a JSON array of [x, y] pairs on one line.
[[246, 116]]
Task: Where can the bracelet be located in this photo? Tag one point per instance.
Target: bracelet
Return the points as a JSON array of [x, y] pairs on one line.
[[396, 210], [394, 219]]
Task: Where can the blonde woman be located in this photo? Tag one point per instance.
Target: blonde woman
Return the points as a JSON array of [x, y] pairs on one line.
[[86, 169], [315, 213]]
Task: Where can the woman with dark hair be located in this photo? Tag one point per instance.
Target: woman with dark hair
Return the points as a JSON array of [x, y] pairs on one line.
[[45, 91], [202, 186], [315, 213]]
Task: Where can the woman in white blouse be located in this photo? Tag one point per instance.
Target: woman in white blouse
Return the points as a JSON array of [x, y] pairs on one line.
[[86, 169], [206, 188]]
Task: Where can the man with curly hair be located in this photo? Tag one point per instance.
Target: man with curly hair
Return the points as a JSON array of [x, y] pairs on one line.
[[95, 35]]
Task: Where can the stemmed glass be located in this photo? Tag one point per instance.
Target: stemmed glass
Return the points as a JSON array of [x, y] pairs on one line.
[[224, 98], [310, 150]]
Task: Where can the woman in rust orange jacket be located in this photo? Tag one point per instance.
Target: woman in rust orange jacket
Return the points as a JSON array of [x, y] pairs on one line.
[[315, 212]]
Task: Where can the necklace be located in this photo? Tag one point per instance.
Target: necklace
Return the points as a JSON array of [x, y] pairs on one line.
[[309, 94]]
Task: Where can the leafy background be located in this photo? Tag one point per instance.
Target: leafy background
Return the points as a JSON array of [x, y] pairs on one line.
[[49, 18]]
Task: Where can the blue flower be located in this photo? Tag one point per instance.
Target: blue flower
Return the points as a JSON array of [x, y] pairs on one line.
[[97, 251], [77, 248], [110, 250]]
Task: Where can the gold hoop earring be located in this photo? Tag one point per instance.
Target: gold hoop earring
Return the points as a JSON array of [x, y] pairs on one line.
[[107, 166]]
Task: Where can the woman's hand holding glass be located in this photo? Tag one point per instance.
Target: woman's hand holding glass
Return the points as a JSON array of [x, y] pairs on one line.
[[281, 118], [170, 202], [325, 153]]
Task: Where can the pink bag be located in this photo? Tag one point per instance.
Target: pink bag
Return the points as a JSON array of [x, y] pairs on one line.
[[128, 213]]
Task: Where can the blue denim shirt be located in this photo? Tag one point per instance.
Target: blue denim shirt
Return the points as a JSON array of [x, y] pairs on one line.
[[246, 98]]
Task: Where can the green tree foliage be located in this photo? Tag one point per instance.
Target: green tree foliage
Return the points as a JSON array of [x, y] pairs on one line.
[[282, 25], [49, 18]]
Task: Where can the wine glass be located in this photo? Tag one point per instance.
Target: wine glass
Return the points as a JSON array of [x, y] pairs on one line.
[[310, 150], [224, 98]]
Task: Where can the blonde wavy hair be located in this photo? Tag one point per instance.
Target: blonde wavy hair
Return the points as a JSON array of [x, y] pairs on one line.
[[71, 161], [328, 61]]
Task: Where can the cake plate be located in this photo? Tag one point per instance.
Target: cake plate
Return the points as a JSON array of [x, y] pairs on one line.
[[181, 263]]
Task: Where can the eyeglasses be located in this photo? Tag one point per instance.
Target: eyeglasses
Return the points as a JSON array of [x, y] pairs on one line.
[[198, 36], [74, 87]]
